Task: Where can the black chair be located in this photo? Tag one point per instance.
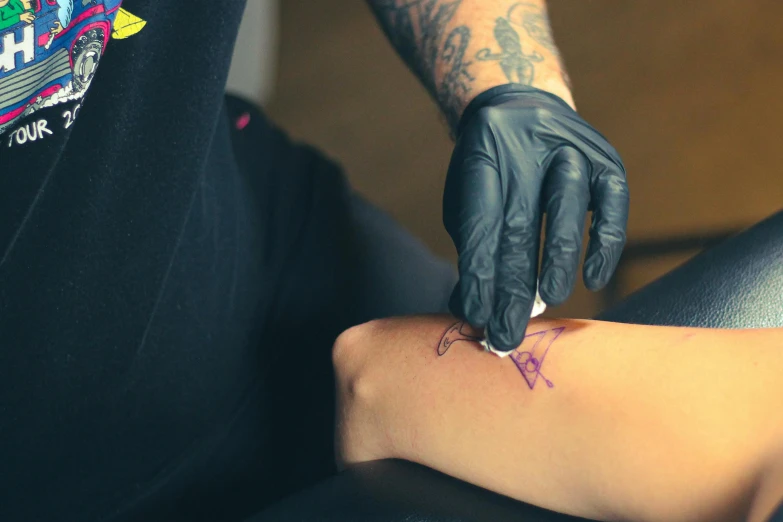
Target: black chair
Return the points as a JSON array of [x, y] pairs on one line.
[[737, 284]]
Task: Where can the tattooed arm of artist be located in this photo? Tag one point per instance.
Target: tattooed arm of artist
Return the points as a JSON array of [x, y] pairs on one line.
[[460, 48], [601, 420]]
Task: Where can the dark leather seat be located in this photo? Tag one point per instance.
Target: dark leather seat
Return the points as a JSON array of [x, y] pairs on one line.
[[738, 284]]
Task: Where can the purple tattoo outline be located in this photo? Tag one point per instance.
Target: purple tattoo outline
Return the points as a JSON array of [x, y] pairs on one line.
[[528, 362]]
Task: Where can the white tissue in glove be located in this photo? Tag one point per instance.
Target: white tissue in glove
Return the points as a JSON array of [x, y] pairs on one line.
[[538, 308]]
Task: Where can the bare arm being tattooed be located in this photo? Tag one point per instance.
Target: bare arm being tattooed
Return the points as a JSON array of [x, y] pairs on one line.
[[460, 48], [601, 420]]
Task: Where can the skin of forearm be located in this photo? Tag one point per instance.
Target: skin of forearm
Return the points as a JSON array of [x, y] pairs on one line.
[[461, 48], [639, 423]]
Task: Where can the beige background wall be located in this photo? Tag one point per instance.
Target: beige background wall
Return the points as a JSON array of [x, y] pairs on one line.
[[689, 93]]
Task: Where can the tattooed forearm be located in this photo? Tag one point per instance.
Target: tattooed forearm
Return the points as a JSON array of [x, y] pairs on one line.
[[460, 48], [517, 66], [535, 21], [422, 33], [528, 358]]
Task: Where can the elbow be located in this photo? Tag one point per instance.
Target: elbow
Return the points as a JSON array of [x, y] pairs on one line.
[[357, 422], [352, 366]]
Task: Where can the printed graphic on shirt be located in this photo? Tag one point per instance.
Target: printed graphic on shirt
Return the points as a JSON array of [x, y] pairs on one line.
[[50, 49], [126, 25]]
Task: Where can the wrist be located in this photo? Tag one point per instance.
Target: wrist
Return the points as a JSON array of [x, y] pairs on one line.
[[552, 84], [499, 94]]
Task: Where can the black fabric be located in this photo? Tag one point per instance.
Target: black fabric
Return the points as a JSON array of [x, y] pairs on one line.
[[398, 274], [127, 245], [400, 491], [736, 284], [777, 516], [173, 271]]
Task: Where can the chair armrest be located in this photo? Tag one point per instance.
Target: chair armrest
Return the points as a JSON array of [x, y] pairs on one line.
[[400, 491], [736, 284]]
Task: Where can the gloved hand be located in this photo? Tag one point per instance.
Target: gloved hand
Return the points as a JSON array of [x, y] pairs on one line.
[[522, 152]]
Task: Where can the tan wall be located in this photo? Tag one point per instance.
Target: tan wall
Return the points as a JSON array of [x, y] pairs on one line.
[[689, 93]]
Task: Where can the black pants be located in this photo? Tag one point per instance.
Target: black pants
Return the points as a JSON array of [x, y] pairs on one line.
[[350, 263], [399, 276], [390, 273]]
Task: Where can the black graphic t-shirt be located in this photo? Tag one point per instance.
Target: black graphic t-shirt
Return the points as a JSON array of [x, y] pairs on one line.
[[146, 249]]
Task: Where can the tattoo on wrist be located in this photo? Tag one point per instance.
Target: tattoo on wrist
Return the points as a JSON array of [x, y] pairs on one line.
[[419, 30], [517, 65], [528, 358]]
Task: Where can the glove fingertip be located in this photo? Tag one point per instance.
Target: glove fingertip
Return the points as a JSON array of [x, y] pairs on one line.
[[555, 286], [592, 272], [507, 338], [598, 270]]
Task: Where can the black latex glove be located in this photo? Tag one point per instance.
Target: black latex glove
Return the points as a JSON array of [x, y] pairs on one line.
[[521, 152]]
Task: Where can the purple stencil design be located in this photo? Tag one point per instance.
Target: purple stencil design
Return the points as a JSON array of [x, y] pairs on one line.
[[529, 362]]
